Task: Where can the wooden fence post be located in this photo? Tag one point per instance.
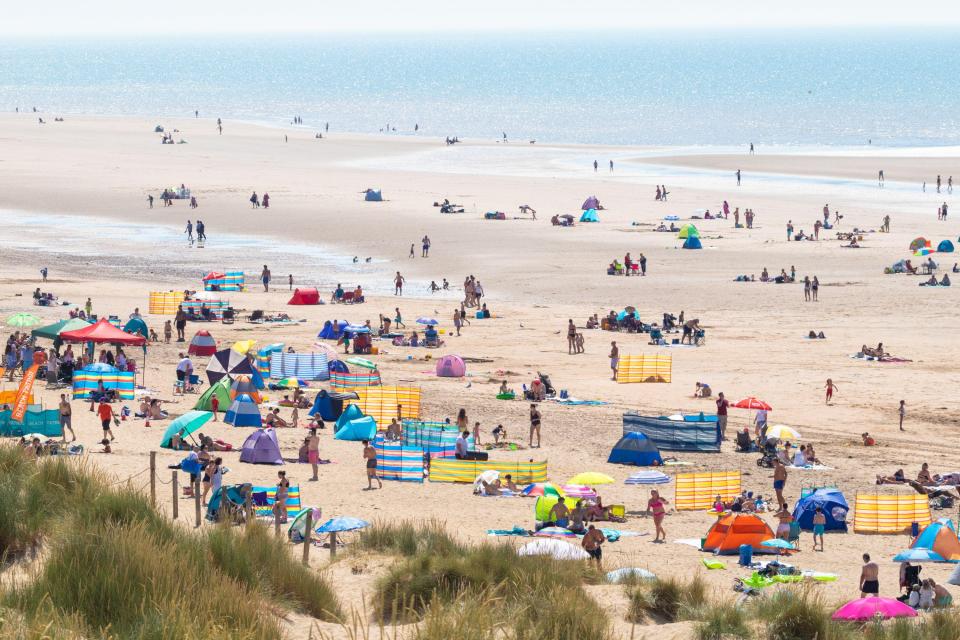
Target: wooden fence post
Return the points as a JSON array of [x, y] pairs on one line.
[[196, 498], [308, 538], [175, 484], [153, 479]]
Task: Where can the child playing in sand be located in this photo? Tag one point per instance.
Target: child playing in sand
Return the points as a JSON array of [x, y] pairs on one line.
[[167, 332]]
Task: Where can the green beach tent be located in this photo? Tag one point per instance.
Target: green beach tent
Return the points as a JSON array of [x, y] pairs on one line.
[[137, 326], [185, 425], [220, 389]]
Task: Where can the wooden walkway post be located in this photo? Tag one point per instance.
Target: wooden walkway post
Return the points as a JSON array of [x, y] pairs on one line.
[[175, 484], [308, 538], [196, 498]]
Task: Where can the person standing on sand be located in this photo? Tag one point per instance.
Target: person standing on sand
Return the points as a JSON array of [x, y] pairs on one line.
[[370, 455], [150, 200], [656, 507], [938, 184], [869, 578], [814, 288], [880, 178], [751, 148], [398, 281], [313, 452], [534, 425], [398, 319], [595, 166], [738, 177], [830, 387], [180, 320], [592, 542], [290, 281], [280, 500], [779, 479], [88, 307], [643, 264], [66, 418], [722, 405], [611, 166], [265, 278], [886, 223], [457, 324], [614, 358], [571, 336], [789, 230], [254, 200], [903, 413], [819, 524], [412, 254], [425, 247], [806, 288]]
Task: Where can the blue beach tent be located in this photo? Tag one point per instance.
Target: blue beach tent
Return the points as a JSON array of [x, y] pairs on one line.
[[637, 449], [692, 242], [945, 246], [590, 215]]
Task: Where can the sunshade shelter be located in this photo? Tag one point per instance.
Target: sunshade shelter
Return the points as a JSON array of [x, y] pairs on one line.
[[261, 447]]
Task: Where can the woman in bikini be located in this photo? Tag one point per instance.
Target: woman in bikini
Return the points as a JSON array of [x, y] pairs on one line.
[[656, 505]]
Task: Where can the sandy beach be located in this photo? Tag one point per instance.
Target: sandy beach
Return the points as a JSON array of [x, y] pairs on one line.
[[73, 196]]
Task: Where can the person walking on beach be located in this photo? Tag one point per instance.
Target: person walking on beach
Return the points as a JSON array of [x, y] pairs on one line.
[[398, 281], [722, 405], [189, 232], [201, 231], [779, 479], [938, 184], [751, 148], [313, 452], [869, 574], [950, 184], [611, 166], [265, 278], [656, 506], [814, 287], [425, 253], [254, 200], [412, 253], [534, 425], [66, 418], [806, 288], [789, 230], [180, 320], [880, 178], [266, 201], [370, 455], [592, 542], [819, 524], [643, 264], [614, 359], [571, 336], [903, 413], [150, 200], [595, 166], [106, 415], [398, 319], [738, 177], [663, 193], [830, 387]]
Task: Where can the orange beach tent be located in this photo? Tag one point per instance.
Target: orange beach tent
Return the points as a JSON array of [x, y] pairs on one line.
[[729, 532], [940, 537]]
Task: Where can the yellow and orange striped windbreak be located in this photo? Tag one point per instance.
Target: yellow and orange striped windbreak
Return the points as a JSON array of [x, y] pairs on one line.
[[645, 368], [892, 513], [388, 402], [699, 490]]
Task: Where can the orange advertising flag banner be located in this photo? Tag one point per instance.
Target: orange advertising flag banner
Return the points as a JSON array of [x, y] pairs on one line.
[[23, 393]]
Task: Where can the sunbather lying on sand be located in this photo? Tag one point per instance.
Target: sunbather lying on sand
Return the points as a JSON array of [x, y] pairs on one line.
[[896, 478]]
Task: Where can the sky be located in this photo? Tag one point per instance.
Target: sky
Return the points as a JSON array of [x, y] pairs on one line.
[[138, 18]]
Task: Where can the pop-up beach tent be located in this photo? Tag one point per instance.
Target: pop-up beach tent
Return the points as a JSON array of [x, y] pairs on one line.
[[261, 447], [941, 538], [590, 215], [729, 532], [364, 428], [220, 389], [693, 242], [637, 449], [202, 344], [329, 405], [304, 296], [451, 367], [590, 203], [332, 329], [945, 246], [244, 412], [373, 195]]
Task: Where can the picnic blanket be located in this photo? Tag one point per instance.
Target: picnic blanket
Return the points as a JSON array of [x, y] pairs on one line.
[[891, 359]]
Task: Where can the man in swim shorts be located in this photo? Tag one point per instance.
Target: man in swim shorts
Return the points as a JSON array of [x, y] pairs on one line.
[[560, 513], [370, 455], [819, 524], [869, 583], [313, 452]]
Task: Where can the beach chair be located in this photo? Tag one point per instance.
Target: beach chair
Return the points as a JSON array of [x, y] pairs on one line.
[[618, 511], [794, 535], [347, 297], [228, 316]]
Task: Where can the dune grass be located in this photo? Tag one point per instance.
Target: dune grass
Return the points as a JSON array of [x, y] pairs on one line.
[[114, 567], [666, 600]]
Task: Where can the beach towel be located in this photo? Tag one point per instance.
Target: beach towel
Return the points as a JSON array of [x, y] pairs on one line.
[[574, 402], [811, 467], [860, 356]]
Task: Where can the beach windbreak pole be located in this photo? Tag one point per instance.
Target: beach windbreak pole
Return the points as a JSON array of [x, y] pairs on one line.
[[23, 393]]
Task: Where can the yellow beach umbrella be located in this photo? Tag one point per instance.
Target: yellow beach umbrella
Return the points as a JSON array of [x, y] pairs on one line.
[[783, 432], [244, 346], [591, 478]]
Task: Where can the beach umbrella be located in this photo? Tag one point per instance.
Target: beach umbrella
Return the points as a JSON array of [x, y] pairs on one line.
[[100, 367], [489, 476], [919, 555], [327, 350], [558, 549], [341, 524], [53, 331], [427, 321], [185, 425], [591, 478], [214, 275], [555, 532], [627, 573], [924, 251], [21, 320], [919, 243], [869, 608], [244, 347], [578, 491], [297, 530], [778, 543], [292, 383], [542, 489], [356, 328], [227, 362], [362, 362], [751, 402], [647, 477], [783, 432]]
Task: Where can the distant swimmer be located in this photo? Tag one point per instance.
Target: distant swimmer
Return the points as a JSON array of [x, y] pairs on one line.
[[751, 148], [738, 177], [595, 166], [611, 166], [880, 178]]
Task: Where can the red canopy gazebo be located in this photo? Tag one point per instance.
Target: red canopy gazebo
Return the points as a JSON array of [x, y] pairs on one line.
[[102, 332]]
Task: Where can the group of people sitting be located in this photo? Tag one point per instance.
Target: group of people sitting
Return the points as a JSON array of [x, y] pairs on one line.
[[43, 299], [448, 207], [780, 279], [932, 281], [746, 502], [664, 228], [355, 297], [150, 409], [584, 510]]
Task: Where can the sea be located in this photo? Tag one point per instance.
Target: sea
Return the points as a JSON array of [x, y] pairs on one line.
[[893, 88]]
